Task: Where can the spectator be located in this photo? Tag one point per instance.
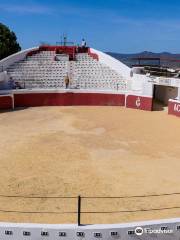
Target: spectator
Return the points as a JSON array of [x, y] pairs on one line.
[[83, 44], [66, 80]]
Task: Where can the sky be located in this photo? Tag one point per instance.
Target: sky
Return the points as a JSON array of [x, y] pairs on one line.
[[124, 26]]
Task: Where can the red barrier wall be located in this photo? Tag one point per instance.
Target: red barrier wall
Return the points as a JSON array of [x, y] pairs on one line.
[[68, 99], [93, 55], [71, 50], [81, 99], [32, 52], [139, 102], [174, 108], [6, 102]]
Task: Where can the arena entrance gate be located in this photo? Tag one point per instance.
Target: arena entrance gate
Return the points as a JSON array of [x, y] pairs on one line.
[[161, 96]]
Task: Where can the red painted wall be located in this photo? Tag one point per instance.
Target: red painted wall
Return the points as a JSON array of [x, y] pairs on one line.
[[71, 50], [32, 52], [80, 99], [93, 55], [174, 108], [5, 102], [68, 99], [139, 102]]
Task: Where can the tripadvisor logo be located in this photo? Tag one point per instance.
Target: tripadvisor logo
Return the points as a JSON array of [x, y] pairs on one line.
[[140, 231]]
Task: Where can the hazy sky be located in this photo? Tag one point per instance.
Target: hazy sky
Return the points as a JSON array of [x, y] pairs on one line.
[[110, 25]]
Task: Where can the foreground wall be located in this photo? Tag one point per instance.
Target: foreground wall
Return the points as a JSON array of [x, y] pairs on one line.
[[68, 99], [165, 230], [33, 99], [74, 98]]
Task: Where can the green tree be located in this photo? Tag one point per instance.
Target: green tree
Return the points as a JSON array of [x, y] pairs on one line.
[[8, 42]]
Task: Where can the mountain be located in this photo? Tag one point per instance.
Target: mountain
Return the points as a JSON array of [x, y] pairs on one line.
[[127, 58]]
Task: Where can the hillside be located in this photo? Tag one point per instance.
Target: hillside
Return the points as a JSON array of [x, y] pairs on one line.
[[127, 58]]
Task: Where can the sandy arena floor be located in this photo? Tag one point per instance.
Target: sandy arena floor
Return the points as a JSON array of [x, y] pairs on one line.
[[88, 151]]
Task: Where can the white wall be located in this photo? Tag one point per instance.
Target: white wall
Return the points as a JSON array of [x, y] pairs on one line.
[[140, 85]]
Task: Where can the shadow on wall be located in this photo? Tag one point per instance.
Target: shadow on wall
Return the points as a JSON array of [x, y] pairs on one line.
[[158, 106], [161, 96]]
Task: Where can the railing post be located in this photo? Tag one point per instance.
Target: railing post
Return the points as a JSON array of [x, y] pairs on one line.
[[79, 210]]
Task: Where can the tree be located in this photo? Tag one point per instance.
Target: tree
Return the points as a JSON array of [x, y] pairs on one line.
[[8, 42]]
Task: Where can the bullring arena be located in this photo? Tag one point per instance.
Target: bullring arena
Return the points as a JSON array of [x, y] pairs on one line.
[[89, 140]]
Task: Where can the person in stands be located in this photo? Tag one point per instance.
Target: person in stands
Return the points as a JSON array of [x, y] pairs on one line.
[[66, 80], [83, 44]]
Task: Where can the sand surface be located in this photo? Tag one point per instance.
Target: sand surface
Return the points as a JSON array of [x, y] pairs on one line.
[[88, 151]]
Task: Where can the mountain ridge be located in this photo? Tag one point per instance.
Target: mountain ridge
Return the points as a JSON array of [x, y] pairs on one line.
[[127, 58]]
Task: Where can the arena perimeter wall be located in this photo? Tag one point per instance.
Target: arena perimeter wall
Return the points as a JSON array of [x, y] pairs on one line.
[[73, 98], [174, 107]]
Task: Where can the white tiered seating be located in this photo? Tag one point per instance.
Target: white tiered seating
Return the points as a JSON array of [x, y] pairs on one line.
[[90, 73], [43, 71], [40, 71]]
